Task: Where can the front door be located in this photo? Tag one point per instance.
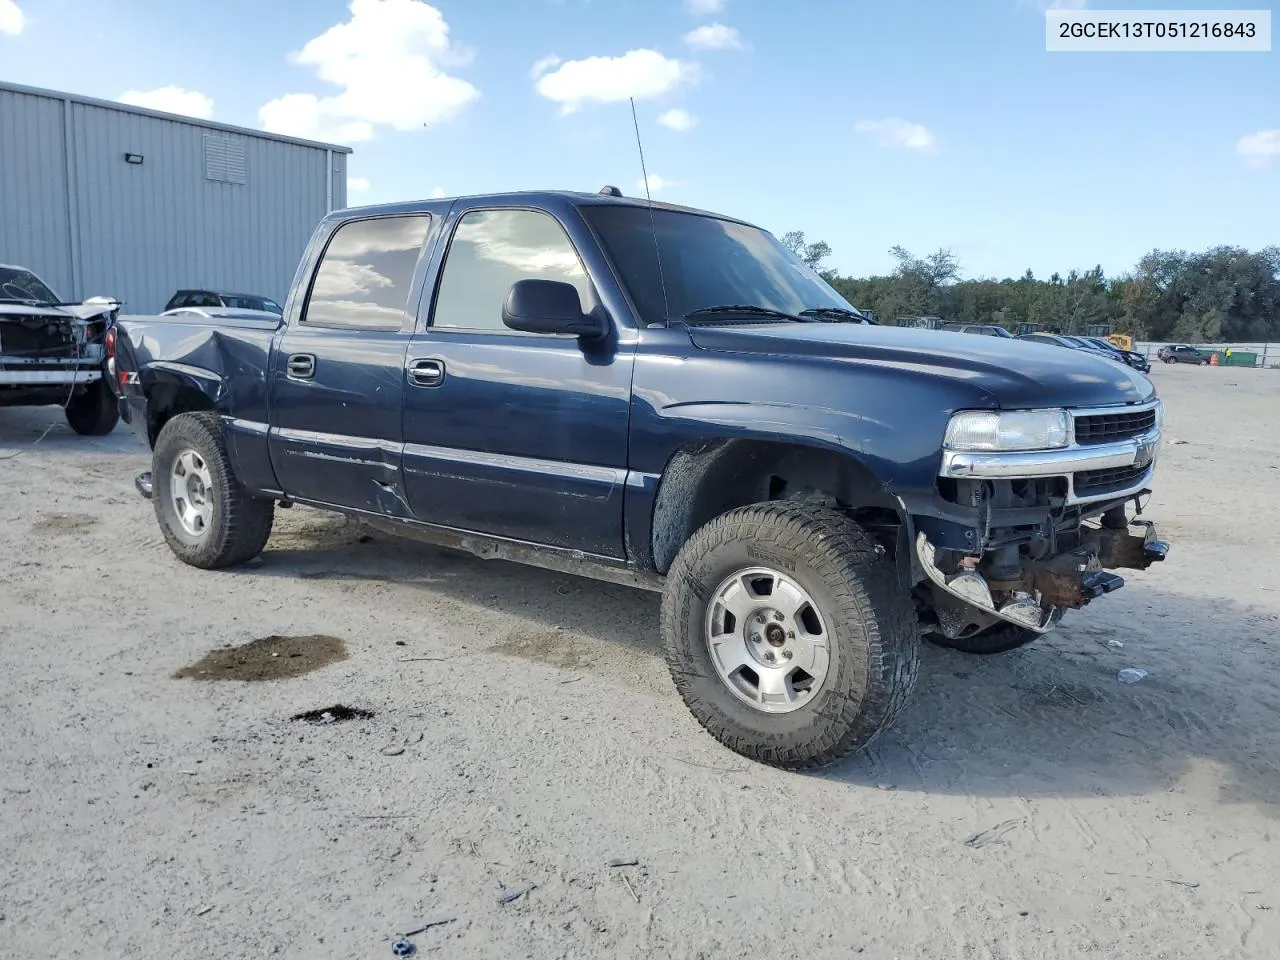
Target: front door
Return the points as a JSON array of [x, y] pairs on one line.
[[337, 374], [515, 434]]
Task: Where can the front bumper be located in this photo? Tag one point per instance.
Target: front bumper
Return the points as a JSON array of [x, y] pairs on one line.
[[1032, 533], [1037, 597]]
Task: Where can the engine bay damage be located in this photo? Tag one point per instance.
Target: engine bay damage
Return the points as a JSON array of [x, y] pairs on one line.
[[1031, 577], [44, 351]]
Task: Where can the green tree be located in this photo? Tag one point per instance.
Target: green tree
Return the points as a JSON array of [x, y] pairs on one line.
[[813, 254]]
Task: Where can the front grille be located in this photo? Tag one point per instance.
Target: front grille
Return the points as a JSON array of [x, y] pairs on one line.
[[33, 338], [1093, 481], [1108, 427]]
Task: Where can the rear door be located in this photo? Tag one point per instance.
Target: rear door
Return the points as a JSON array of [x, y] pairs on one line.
[[519, 435], [337, 373]]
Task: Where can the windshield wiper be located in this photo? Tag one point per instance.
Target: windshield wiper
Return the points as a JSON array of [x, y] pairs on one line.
[[743, 309], [835, 315]]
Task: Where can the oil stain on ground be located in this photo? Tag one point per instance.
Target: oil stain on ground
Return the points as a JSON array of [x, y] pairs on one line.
[[548, 646], [63, 524], [268, 658], [338, 713]]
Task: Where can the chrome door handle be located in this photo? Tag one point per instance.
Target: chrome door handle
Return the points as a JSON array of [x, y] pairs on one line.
[[301, 366], [426, 373]]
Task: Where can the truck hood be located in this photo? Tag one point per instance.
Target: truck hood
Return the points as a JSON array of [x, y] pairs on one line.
[[69, 311], [1014, 374]]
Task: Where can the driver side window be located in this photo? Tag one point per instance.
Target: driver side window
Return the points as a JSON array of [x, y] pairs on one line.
[[490, 251]]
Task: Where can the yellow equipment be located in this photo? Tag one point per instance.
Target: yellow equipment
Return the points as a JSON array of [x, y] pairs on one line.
[[1121, 340]]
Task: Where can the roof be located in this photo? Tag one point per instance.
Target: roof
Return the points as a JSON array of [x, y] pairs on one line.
[[534, 198], [174, 117]]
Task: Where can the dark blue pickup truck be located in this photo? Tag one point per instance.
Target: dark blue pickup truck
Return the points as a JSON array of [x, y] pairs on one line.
[[666, 398]]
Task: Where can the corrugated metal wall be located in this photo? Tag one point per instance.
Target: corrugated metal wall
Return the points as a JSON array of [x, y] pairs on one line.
[[35, 230], [74, 211]]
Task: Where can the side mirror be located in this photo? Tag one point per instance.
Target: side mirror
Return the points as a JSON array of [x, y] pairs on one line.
[[549, 306]]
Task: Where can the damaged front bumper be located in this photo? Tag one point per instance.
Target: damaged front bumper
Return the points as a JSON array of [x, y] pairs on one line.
[[1041, 590], [1025, 535]]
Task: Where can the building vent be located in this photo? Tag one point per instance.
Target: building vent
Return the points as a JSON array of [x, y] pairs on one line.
[[224, 159]]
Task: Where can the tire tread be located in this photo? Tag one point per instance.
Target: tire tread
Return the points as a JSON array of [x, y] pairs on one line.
[[246, 521], [856, 573]]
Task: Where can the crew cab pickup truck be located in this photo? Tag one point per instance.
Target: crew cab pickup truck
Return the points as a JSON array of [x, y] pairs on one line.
[[666, 398]]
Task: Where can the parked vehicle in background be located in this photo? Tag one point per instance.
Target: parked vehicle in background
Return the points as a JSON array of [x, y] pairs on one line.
[[1131, 357], [669, 399], [1182, 353], [982, 329], [53, 352], [919, 323], [214, 298], [1074, 343]]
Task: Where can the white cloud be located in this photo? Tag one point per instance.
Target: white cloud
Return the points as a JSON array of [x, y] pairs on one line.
[[437, 193], [658, 184], [542, 66], [11, 19], [637, 73], [715, 36], [357, 184], [703, 8], [1259, 149], [304, 115], [170, 99], [386, 61], [678, 120], [344, 279], [899, 133]]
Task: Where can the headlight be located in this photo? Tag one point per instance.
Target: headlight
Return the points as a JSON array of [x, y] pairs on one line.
[[988, 430]]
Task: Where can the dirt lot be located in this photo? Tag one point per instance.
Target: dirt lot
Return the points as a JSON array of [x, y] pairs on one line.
[[524, 732]]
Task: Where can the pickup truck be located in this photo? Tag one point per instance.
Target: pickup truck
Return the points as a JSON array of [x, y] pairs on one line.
[[53, 352], [666, 398]]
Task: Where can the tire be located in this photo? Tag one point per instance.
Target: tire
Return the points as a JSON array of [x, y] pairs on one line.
[[998, 638], [865, 619], [93, 413], [224, 526]]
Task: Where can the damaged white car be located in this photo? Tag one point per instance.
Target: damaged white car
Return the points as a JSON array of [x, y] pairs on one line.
[[55, 353]]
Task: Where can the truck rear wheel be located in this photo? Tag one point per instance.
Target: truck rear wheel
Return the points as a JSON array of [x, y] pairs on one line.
[[787, 634], [998, 638], [93, 413], [207, 518]]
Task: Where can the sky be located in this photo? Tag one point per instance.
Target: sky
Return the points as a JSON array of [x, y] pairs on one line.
[[865, 123]]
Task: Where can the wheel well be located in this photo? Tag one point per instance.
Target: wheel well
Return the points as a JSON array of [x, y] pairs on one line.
[[166, 400], [706, 479]]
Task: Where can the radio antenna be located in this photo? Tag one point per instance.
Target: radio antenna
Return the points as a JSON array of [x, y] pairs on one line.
[[662, 281]]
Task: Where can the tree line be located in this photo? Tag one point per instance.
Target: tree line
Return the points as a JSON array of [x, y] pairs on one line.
[[1222, 295]]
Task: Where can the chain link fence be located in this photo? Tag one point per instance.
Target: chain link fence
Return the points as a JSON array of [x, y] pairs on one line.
[[1266, 354]]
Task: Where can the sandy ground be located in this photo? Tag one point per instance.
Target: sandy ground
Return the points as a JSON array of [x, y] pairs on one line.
[[147, 815]]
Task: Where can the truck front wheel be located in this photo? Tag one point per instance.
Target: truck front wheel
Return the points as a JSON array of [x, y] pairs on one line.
[[93, 413], [207, 518], [787, 634]]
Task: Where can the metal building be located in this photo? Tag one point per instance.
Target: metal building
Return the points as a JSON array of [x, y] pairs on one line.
[[102, 198]]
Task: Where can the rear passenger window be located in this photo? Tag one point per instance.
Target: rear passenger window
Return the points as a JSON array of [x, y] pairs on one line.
[[491, 250], [364, 276]]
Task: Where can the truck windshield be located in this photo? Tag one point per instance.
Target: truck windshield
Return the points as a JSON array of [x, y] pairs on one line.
[[706, 262], [19, 284]]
